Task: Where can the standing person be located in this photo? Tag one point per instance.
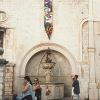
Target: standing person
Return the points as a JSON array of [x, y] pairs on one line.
[[47, 92], [71, 98], [76, 88], [27, 89], [37, 89]]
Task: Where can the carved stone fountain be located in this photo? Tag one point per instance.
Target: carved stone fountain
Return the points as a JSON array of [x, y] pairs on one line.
[[57, 89], [48, 65]]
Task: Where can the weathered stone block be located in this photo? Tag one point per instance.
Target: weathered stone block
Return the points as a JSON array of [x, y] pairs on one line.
[[1, 86], [1, 79], [9, 74], [93, 94], [8, 93], [7, 84], [93, 85], [1, 74], [9, 79], [1, 93], [8, 89], [9, 69], [11, 84]]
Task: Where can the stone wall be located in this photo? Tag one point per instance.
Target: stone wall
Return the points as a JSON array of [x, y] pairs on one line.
[[24, 33], [97, 46], [25, 27], [97, 56], [25, 30], [9, 79]]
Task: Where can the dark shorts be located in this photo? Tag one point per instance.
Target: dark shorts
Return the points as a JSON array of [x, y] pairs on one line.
[[38, 97], [29, 97]]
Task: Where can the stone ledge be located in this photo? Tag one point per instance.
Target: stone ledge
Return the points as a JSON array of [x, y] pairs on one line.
[[91, 49]]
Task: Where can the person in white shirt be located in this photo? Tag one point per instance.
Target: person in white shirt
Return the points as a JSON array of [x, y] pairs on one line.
[[47, 92], [72, 92]]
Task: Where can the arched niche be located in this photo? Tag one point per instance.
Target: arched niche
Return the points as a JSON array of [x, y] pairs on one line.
[[61, 68], [61, 73], [54, 47]]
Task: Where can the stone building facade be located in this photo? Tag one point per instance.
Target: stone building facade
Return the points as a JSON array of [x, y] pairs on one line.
[[75, 42]]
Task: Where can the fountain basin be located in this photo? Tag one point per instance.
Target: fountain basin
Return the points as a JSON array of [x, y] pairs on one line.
[[48, 65], [57, 90]]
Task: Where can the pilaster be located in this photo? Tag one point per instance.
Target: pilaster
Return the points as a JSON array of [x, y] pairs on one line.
[[93, 91], [3, 63]]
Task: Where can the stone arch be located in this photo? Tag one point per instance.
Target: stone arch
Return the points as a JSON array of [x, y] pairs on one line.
[[52, 46], [80, 38]]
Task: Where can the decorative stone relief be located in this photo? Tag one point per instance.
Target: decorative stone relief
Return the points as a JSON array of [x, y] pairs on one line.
[[57, 91], [62, 66], [48, 73]]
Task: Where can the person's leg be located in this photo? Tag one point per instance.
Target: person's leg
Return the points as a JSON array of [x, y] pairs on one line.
[[23, 99], [30, 98], [77, 97], [71, 98], [38, 97]]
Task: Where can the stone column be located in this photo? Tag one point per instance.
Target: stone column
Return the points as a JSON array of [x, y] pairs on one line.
[[93, 92], [9, 79], [48, 74], [3, 63]]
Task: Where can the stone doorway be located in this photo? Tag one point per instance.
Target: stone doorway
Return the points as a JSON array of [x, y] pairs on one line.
[[61, 72]]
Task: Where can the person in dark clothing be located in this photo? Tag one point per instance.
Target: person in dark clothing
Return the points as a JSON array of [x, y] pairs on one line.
[[38, 94], [37, 89], [76, 88]]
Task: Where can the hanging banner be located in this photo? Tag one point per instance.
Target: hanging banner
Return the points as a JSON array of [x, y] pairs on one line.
[[48, 24]]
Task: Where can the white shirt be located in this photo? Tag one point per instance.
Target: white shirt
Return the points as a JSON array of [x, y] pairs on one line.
[[72, 90]]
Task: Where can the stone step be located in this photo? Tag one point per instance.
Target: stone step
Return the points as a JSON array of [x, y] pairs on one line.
[[66, 98]]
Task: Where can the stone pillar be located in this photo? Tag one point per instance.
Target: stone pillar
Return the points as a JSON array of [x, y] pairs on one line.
[[3, 63], [48, 74], [93, 92], [9, 78]]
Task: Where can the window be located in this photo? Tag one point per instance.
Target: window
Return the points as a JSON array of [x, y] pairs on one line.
[[1, 38], [2, 31], [3, 16]]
